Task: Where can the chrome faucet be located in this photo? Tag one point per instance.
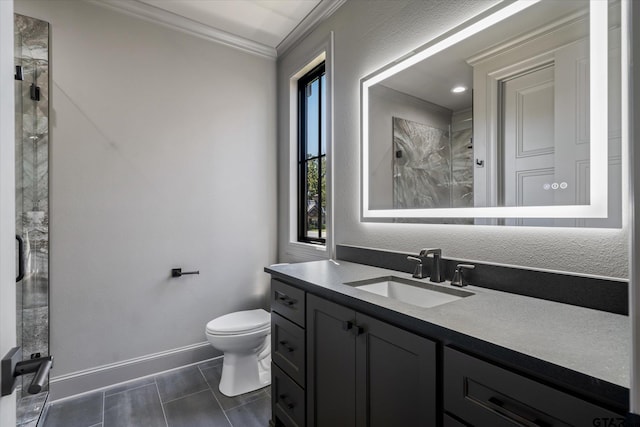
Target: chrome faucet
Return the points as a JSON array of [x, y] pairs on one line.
[[458, 276]]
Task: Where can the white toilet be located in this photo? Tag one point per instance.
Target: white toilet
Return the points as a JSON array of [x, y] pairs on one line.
[[245, 339]]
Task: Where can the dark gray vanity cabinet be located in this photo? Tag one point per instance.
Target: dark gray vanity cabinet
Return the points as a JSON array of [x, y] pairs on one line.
[[364, 372], [483, 394], [334, 366]]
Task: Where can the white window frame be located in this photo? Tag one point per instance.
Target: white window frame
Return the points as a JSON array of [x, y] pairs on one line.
[[295, 250]]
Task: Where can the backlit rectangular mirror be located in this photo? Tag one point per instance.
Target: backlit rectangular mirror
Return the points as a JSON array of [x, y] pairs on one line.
[[512, 118]]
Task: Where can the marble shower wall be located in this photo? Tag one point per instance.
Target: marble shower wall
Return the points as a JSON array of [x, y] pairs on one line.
[[32, 183], [432, 167]]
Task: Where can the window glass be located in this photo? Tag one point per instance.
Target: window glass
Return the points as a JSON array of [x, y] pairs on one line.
[[312, 205]]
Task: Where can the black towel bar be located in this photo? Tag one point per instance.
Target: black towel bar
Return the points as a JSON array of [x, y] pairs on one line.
[[177, 272]]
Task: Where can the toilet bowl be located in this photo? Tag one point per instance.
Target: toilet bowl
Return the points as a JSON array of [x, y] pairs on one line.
[[245, 339]]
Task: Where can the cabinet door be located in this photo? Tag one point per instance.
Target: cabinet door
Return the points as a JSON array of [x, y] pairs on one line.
[[330, 364], [395, 376]]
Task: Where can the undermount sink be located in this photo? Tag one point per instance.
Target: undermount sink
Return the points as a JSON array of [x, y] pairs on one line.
[[421, 294]]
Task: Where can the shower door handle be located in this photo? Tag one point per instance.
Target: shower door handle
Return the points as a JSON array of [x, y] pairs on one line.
[[20, 258]]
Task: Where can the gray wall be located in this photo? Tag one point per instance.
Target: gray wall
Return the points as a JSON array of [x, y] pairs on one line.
[[368, 35], [162, 155]]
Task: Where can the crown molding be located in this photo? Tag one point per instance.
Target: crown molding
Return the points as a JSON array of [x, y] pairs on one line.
[[180, 23], [321, 12]]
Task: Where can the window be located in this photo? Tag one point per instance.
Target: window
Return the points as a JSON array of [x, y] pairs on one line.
[[312, 157]]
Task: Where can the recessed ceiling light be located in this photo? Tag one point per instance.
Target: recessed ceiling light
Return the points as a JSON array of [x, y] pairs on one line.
[[458, 89]]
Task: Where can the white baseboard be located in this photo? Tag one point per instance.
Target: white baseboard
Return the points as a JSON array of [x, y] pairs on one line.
[[92, 379]]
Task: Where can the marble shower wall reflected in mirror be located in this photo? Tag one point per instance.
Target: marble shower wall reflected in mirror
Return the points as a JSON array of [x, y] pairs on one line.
[[432, 167]]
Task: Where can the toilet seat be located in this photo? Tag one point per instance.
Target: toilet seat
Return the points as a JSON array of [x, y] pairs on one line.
[[240, 322]]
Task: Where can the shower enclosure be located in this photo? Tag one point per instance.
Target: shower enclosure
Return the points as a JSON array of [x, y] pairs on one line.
[[32, 205]]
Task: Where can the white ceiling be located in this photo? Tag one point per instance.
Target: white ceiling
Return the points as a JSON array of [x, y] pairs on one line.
[[266, 22]]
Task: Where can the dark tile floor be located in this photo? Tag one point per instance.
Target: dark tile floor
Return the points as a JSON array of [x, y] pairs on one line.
[[188, 397]]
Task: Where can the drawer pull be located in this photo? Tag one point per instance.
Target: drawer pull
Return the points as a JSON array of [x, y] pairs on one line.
[[347, 325], [286, 345], [503, 409], [287, 402], [358, 330], [285, 299]]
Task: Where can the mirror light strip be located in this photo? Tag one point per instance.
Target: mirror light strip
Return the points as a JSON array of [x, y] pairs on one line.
[[568, 211], [599, 108], [463, 34], [598, 27]]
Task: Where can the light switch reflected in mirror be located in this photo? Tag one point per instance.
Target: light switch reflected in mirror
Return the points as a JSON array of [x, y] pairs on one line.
[[506, 123]]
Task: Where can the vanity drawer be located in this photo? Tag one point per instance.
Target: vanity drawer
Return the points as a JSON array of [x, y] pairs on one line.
[[287, 347], [287, 399], [287, 301], [484, 394]]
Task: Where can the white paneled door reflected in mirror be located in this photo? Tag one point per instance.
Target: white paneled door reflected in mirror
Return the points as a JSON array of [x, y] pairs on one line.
[[512, 118]]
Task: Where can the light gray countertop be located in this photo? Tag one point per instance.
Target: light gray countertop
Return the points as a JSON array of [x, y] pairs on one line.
[[590, 342]]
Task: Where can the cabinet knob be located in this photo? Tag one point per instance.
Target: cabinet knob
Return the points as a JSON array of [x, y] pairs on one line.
[[351, 326]]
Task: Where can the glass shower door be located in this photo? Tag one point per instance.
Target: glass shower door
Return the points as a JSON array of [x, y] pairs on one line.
[[32, 202]]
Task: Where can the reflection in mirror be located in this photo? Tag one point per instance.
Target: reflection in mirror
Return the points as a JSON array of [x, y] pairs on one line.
[[499, 119]]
